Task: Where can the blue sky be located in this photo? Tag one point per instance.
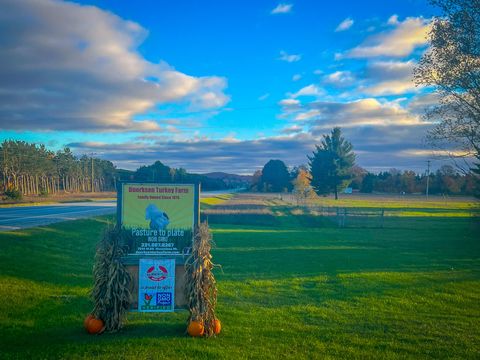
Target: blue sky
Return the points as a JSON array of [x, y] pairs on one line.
[[216, 85]]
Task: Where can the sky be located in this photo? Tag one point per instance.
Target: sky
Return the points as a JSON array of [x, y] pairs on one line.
[[217, 85]]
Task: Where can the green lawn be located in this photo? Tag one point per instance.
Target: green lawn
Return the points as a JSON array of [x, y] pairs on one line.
[[300, 288]]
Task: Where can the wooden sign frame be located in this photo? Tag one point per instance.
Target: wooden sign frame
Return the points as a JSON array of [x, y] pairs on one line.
[[131, 261]]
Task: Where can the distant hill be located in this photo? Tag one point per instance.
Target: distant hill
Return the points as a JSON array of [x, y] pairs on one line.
[[161, 173], [223, 175], [231, 180]]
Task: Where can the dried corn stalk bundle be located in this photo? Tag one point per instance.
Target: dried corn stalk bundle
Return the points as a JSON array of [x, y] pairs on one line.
[[111, 293], [201, 288]]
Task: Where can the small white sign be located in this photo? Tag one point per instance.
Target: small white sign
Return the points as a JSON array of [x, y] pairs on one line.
[[156, 285]]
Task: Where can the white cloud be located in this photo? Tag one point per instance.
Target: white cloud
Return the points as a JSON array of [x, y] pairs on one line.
[[310, 90], [67, 66], [344, 25], [422, 102], [289, 102], [296, 77], [393, 20], [377, 148], [307, 115], [289, 57], [205, 155], [399, 42], [339, 78], [264, 97], [362, 112], [390, 78], [318, 72], [295, 129], [282, 8]]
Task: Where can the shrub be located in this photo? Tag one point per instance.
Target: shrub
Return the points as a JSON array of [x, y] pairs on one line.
[[13, 194], [43, 193]]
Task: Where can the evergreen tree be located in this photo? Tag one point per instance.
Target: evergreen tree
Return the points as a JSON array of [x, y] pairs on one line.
[[368, 183], [331, 164]]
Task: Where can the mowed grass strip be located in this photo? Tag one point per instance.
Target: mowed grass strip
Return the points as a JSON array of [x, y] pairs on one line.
[[214, 200], [296, 289], [399, 201]]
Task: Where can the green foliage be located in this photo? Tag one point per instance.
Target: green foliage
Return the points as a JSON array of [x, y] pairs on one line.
[[162, 173], [111, 290], [368, 183], [13, 194], [275, 177], [35, 170], [43, 193], [331, 164]]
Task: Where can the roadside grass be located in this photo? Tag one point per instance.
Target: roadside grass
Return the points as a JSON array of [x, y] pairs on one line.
[[32, 200], [291, 286]]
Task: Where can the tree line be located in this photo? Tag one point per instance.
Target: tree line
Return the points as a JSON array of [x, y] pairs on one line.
[[161, 173], [331, 169], [32, 169], [444, 181]]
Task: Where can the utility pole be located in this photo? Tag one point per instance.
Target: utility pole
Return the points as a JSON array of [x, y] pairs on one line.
[[428, 176]]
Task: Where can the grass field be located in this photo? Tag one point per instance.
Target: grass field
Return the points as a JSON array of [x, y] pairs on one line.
[[291, 286]]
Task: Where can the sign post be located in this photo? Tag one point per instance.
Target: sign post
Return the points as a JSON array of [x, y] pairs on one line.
[[158, 223]]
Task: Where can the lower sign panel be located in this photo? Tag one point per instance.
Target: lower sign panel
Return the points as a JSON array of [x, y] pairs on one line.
[[156, 285]]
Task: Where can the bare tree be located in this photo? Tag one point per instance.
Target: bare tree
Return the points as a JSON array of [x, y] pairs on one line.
[[452, 67]]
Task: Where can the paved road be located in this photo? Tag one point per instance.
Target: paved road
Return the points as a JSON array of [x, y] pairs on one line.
[[20, 217], [14, 218]]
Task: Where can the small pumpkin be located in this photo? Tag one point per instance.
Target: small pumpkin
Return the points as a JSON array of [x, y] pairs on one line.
[[217, 327], [87, 319], [94, 325], [195, 328]]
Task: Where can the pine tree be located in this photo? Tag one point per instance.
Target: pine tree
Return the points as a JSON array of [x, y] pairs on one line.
[[331, 164]]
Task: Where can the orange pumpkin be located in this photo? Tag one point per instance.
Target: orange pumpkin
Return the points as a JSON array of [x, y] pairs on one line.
[[195, 328], [94, 325], [217, 327], [87, 319]]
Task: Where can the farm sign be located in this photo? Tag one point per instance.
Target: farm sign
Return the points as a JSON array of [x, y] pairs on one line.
[[156, 288], [158, 219]]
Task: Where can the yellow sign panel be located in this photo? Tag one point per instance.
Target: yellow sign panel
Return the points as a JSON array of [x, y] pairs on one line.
[[159, 218]]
